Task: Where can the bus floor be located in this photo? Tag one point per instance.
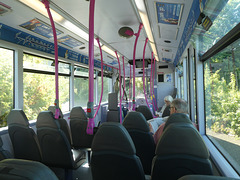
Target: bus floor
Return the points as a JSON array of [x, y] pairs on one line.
[[83, 172]]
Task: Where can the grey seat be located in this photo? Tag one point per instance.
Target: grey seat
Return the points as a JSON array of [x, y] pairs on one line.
[[4, 154], [19, 169], [56, 149], [180, 151], [23, 138], [113, 110], [206, 177], [145, 111], [63, 123], [78, 126], [114, 154], [177, 118], [138, 128]]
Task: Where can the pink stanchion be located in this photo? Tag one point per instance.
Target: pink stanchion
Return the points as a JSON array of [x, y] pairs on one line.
[[130, 90], [90, 110], [99, 104], [124, 83], [153, 83], [120, 92], [134, 54], [144, 90], [56, 103]]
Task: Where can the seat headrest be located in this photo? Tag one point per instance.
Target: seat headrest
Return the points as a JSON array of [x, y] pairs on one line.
[[78, 113], [136, 120], [182, 138], [17, 116], [112, 136], [177, 118], [113, 101], [46, 119], [53, 110], [145, 111]]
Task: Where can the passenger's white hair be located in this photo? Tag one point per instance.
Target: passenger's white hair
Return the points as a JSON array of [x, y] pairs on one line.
[[168, 98]]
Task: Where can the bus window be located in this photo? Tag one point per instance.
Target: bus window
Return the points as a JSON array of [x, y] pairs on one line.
[[222, 101], [81, 86], [39, 85], [105, 88], [6, 81]]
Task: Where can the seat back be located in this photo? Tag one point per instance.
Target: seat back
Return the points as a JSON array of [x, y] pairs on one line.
[[114, 154], [145, 111], [78, 125], [62, 122], [206, 177], [138, 128], [177, 118], [113, 112], [22, 135], [180, 151], [56, 149], [4, 154], [19, 169]]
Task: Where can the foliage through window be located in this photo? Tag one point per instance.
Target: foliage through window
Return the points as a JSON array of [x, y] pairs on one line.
[[6, 81], [39, 88], [222, 101]]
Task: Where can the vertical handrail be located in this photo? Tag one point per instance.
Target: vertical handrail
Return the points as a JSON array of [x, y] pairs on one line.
[[153, 83], [101, 78], [130, 90], [120, 92], [124, 84], [144, 90], [90, 113], [56, 103], [134, 53]]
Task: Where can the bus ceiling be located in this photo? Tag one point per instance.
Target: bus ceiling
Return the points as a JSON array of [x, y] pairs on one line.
[[168, 25]]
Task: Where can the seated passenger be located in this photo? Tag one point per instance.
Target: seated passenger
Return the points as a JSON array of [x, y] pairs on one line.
[[168, 99], [177, 106]]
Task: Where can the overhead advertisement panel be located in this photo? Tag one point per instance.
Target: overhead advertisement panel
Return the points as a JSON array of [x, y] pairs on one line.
[[39, 27], [168, 13]]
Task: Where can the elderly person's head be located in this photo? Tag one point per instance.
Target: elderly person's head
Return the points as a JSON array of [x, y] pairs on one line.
[[178, 106], [168, 99]]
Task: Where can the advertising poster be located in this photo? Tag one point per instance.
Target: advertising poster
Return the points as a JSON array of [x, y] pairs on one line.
[[168, 13], [69, 41], [39, 27]]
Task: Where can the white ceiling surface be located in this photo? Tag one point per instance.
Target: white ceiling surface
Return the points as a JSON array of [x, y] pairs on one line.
[[110, 16]]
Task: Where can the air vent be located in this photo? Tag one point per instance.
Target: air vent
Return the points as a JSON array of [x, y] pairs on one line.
[[163, 67], [4, 9]]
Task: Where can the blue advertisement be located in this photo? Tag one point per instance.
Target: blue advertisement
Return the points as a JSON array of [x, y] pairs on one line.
[[168, 13], [15, 36], [196, 9], [69, 41], [40, 27]]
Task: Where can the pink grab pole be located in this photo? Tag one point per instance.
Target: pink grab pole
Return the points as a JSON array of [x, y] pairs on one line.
[[134, 53], [124, 84], [144, 90], [130, 90], [101, 78], [120, 87], [151, 83], [90, 110], [56, 103]]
